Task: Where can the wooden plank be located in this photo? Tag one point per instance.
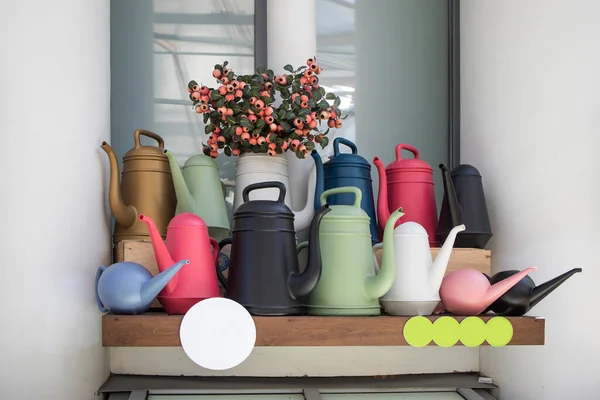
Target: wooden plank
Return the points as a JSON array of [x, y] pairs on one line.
[[141, 252], [162, 330]]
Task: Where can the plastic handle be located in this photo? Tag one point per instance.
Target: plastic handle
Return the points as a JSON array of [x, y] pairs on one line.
[[301, 247], [336, 148], [408, 147], [222, 279], [375, 248], [99, 272], [265, 185], [344, 189], [136, 138]]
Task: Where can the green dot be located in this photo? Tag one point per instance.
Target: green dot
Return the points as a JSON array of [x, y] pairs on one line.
[[499, 331], [418, 331], [472, 331], [445, 331]]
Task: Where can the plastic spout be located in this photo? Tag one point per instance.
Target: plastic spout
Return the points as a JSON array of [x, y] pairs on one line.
[[539, 292], [438, 268], [378, 285], [185, 201], [124, 214], [161, 253], [152, 288], [383, 209], [304, 217], [498, 289], [302, 284], [451, 197], [320, 181]]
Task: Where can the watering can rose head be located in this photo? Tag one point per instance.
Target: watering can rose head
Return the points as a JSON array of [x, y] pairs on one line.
[[241, 115]]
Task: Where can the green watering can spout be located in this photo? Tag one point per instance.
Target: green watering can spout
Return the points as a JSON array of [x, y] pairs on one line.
[[379, 284], [185, 201]]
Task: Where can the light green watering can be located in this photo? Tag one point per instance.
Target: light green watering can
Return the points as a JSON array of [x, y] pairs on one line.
[[348, 283], [200, 191]]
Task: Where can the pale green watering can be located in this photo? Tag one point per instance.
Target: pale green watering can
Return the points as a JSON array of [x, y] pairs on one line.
[[200, 191], [348, 283]]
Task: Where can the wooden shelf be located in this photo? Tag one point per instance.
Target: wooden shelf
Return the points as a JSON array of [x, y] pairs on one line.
[[162, 330]]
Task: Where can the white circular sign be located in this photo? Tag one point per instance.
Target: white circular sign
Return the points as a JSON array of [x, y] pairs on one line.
[[217, 333]]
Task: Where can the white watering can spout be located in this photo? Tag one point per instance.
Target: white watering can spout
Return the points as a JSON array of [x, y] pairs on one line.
[[439, 265]]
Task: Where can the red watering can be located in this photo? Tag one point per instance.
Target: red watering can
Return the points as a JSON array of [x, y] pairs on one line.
[[186, 234], [407, 183]]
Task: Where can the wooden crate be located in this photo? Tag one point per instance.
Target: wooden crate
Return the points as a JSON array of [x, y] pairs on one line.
[[141, 252]]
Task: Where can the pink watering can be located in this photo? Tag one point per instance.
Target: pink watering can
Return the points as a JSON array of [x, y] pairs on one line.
[[469, 292], [187, 238]]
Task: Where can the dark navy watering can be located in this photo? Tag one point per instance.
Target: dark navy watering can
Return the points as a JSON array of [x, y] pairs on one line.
[[342, 170]]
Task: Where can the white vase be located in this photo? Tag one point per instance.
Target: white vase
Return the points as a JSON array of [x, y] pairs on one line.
[[259, 167]]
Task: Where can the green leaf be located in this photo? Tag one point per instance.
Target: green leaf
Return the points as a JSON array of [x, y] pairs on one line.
[[225, 63], [214, 95], [209, 128], [330, 96], [337, 102], [219, 67], [312, 103], [221, 145], [214, 114], [289, 68], [278, 150], [221, 102], [264, 147], [324, 142], [227, 151], [301, 68], [205, 118], [260, 124], [303, 112], [310, 145], [245, 122], [261, 70], [323, 104], [298, 101], [290, 115], [230, 120], [285, 126], [265, 99], [256, 132]]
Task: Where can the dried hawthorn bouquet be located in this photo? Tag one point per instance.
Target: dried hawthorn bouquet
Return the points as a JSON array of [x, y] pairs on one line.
[[244, 118]]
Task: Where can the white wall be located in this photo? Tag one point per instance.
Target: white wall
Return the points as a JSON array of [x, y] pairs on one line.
[[54, 113], [530, 123]]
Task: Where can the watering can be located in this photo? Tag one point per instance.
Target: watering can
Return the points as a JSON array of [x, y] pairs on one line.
[[127, 288], [187, 238], [349, 284], [145, 188], [407, 183], [418, 277], [343, 169], [200, 191]]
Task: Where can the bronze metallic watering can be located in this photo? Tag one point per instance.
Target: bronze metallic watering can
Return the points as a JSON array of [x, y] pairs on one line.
[[146, 187]]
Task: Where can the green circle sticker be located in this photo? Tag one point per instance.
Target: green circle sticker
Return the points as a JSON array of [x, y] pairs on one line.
[[499, 331], [472, 331], [418, 331], [445, 331]]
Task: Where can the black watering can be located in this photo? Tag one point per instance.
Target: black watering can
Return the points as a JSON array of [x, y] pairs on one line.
[[263, 273], [522, 297], [464, 204]]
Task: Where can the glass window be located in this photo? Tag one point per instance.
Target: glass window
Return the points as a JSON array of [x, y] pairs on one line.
[[157, 47]]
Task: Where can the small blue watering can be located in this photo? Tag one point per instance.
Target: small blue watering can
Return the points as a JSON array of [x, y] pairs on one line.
[[127, 288]]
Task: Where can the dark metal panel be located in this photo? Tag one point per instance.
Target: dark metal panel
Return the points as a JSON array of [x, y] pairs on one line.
[[126, 383], [260, 33], [454, 83]]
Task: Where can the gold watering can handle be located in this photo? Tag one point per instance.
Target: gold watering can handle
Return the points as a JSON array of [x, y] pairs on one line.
[[136, 138]]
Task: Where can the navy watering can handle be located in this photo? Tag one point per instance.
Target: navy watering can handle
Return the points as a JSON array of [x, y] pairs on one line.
[[265, 185], [336, 146], [99, 272], [400, 147], [222, 279]]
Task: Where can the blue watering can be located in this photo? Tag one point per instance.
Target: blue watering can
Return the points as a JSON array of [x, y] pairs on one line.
[[127, 288], [341, 170]]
